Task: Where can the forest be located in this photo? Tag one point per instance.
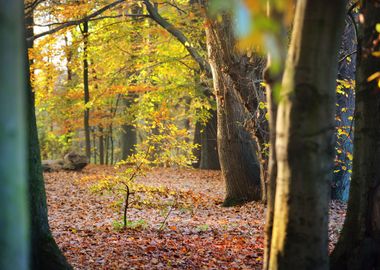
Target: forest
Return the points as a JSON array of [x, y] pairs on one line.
[[190, 134]]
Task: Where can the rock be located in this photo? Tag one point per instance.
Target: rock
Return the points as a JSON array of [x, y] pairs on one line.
[[52, 165], [71, 162], [74, 162]]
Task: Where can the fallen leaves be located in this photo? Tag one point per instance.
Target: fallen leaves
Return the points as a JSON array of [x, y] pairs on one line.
[[198, 234]]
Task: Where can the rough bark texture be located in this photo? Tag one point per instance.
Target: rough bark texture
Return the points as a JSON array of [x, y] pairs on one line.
[[45, 254], [359, 244], [13, 165], [234, 75], [304, 142]]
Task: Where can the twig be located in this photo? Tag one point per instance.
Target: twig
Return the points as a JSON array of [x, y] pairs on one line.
[[166, 217]]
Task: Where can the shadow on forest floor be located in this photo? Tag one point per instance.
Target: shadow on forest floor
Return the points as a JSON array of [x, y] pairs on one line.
[[175, 222]]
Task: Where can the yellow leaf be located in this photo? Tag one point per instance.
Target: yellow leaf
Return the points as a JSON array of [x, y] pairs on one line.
[[378, 27], [373, 76]]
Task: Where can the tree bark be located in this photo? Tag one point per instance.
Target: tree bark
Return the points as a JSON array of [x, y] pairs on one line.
[[359, 243], [13, 167], [273, 77], [86, 116], [45, 254], [233, 75], [304, 142], [344, 110]]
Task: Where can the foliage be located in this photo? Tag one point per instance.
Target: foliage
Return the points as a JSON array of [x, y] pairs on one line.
[[141, 59]]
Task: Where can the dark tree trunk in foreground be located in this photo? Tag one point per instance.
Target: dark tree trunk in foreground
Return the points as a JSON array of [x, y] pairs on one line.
[[86, 117], [233, 75], [13, 165], [305, 138], [45, 254], [359, 244], [344, 113]]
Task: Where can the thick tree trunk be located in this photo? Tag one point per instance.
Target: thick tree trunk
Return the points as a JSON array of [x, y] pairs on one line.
[[233, 75], [304, 142], [344, 112], [13, 165], [86, 117], [359, 244], [45, 254]]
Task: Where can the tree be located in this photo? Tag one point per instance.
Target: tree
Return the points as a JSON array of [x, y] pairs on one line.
[[359, 243], [13, 166], [86, 115], [236, 93], [345, 110], [45, 253], [241, 170], [273, 77], [205, 132], [304, 140]]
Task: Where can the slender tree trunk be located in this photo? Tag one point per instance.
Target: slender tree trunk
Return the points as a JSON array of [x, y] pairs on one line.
[[101, 145], [359, 243], [94, 150], [344, 112], [304, 142], [13, 166], [86, 118], [273, 77], [107, 145], [111, 144], [233, 75], [45, 254]]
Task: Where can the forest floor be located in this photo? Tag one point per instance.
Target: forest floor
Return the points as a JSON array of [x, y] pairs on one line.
[[175, 221]]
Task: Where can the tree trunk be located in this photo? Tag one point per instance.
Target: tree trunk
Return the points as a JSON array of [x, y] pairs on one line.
[[344, 112], [359, 243], [233, 75], [13, 166], [273, 77], [304, 142], [107, 146], [86, 118], [45, 254], [101, 145], [128, 131], [205, 136]]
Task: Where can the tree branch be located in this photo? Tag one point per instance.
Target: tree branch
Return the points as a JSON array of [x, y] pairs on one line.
[[76, 22], [203, 64]]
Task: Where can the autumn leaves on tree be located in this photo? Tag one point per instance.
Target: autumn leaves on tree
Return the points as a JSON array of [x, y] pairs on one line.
[[204, 84]]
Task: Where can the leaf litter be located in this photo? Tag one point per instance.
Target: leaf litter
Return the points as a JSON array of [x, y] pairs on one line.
[[175, 221]]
